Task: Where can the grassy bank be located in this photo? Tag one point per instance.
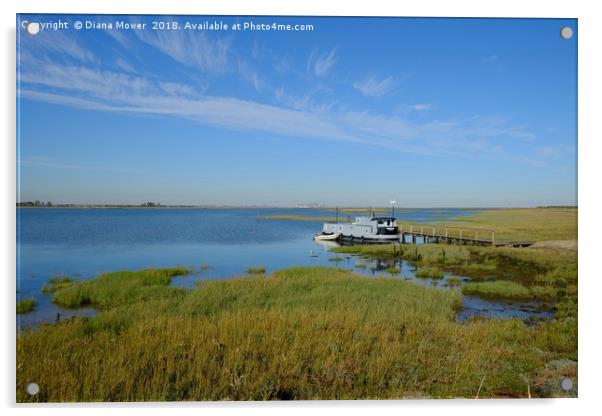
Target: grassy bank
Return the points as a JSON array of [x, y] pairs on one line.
[[301, 333], [548, 275], [56, 283], [534, 224], [499, 289], [26, 305]]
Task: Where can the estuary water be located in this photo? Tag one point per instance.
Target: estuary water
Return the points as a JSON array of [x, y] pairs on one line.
[[217, 243]]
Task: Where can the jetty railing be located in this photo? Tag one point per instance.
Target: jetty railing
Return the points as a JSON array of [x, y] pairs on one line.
[[448, 234]]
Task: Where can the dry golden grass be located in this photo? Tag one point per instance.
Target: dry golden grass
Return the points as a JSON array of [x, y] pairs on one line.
[[534, 224]]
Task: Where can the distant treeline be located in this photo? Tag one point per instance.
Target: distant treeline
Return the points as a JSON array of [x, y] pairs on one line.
[[49, 204]]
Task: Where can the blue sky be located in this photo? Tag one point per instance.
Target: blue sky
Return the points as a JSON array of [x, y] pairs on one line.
[[357, 111]]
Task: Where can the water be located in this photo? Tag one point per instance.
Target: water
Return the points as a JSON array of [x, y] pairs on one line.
[[82, 243]]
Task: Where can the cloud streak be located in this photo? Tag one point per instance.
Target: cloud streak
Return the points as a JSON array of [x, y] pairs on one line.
[[323, 63], [111, 91], [373, 87], [191, 49]]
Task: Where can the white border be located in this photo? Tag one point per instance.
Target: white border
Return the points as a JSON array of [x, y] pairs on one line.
[[590, 33]]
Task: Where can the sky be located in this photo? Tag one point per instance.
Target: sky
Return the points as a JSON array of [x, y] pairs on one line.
[[350, 112]]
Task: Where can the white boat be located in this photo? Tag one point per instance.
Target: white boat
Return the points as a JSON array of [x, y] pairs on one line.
[[365, 229], [327, 237]]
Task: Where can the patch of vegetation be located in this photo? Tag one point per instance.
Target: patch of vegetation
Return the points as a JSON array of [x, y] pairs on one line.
[[26, 305], [429, 272], [429, 254], [336, 259], [535, 224], [497, 289], [256, 270], [57, 283], [453, 281], [304, 333], [118, 288]]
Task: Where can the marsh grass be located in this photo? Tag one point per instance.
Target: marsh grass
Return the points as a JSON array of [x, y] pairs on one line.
[[303, 333], [26, 305], [453, 281], [57, 283], [535, 224], [256, 270], [336, 259], [113, 289], [429, 272], [497, 289]]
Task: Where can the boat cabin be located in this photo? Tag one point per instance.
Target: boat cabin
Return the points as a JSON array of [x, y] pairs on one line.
[[365, 228]]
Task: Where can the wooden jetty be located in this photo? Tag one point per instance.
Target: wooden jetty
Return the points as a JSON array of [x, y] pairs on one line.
[[454, 235]]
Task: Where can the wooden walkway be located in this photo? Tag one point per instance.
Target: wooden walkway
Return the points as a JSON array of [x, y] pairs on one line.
[[455, 235]]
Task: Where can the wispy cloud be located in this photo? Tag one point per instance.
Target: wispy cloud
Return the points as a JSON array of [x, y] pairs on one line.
[[121, 63], [246, 71], [421, 107], [490, 59], [373, 87], [304, 117], [322, 64], [55, 42], [191, 49]]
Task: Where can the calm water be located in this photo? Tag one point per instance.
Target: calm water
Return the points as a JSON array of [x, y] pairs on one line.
[[82, 243]]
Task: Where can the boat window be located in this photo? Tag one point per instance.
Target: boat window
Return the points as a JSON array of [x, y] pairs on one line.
[[380, 222]]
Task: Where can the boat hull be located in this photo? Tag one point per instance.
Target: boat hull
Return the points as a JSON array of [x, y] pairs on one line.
[[327, 237]]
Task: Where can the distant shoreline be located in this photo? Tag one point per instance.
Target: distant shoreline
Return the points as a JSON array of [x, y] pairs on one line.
[[325, 208]]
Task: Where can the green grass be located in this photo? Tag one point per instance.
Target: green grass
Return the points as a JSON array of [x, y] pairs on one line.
[[26, 305], [497, 289], [302, 333], [118, 288], [336, 259], [453, 281], [432, 254], [542, 274], [429, 272], [535, 224], [256, 270], [56, 283]]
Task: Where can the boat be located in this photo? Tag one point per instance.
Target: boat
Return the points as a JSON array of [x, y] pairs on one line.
[[327, 237], [363, 229]]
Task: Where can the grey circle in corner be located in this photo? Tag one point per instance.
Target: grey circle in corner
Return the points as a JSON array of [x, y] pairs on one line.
[[566, 32], [566, 384], [33, 28], [33, 389]]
